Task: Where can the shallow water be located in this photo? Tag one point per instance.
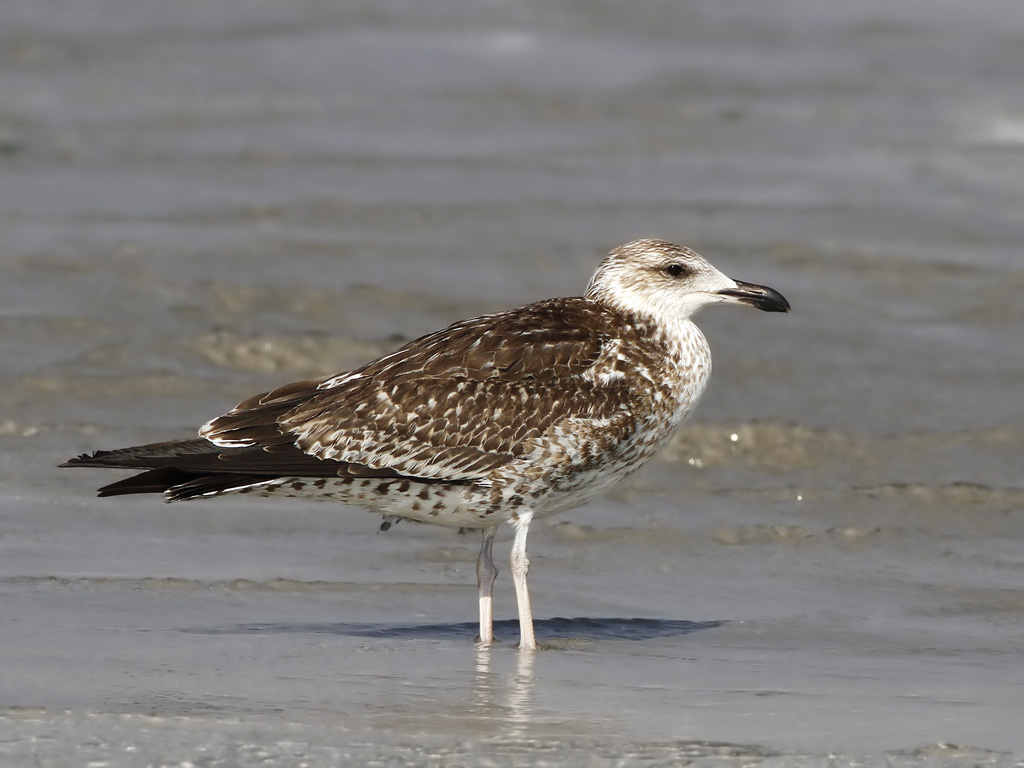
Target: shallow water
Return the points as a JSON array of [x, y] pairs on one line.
[[201, 201]]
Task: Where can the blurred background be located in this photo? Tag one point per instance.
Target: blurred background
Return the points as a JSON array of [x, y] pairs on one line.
[[202, 200]]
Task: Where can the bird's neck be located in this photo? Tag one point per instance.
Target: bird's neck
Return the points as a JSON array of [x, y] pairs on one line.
[[676, 333], [685, 359]]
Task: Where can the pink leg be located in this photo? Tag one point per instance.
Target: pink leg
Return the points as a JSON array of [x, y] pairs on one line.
[[520, 566], [486, 573]]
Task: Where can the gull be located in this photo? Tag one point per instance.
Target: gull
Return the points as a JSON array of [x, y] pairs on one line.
[[497, 419]]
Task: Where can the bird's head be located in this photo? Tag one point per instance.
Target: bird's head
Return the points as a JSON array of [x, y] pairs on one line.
[[659, 279]]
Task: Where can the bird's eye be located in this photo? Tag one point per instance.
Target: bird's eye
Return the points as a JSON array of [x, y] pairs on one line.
[[676, 270]]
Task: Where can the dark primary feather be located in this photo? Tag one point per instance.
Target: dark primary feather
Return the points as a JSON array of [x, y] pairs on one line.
[[197, 467]]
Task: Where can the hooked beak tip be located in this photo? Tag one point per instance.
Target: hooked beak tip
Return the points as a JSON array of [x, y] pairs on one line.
[[760, 296]]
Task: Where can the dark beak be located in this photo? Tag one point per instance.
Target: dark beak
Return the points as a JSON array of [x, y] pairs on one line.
[[760, 296]]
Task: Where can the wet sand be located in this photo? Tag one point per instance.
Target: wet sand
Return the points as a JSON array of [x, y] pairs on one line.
[[201, 201]]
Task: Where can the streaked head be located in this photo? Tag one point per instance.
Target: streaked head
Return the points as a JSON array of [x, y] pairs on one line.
[[660, 279]]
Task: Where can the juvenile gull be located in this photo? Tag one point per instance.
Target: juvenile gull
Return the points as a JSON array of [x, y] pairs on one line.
[[492, 420]]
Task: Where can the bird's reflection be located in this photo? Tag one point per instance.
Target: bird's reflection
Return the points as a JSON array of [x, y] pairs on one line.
[[505, 697], [501, 696]]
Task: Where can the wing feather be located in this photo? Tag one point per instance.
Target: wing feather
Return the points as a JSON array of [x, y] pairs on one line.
[[449, 406]]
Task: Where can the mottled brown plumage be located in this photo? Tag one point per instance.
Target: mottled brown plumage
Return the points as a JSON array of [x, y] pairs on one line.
[[428, 410], [494, 419]]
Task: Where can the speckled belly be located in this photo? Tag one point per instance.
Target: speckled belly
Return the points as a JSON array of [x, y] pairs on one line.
[[461, 506]]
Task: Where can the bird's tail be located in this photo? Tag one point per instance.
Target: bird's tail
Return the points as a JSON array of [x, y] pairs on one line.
[[178, 469]]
